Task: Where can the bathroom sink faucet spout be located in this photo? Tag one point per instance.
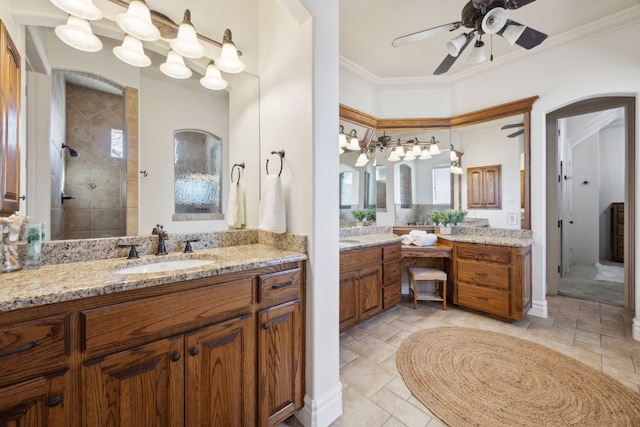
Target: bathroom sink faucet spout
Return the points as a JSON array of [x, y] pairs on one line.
[[162, 237]]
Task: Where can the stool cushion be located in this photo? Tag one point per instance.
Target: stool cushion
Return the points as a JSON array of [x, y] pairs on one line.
[[427, 274]]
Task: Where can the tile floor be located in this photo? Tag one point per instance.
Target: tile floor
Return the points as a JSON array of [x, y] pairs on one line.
[[375, 395]]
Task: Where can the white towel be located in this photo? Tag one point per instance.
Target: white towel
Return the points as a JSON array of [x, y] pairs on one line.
[[272, 213], [232, 207], [240, 216], [419, 238]]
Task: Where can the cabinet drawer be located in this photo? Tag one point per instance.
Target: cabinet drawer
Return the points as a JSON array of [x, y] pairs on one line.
[[483, 252], [391, 252], [391, 272], [33, 348], [280, 287], [487, 274], [392, 295], [354, 259], [484, 299], [161, 316]]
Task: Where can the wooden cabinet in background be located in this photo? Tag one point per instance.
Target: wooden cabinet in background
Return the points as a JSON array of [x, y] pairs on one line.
[[370, 281], [9, 118], [493, 279], [360, 285], [617, 232], [484, 187]]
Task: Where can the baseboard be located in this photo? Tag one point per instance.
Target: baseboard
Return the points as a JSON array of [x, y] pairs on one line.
[[539, 309], [636, 329], [321, 412]]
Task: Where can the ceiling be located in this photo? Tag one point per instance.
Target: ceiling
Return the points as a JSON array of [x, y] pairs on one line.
[[367, 28]]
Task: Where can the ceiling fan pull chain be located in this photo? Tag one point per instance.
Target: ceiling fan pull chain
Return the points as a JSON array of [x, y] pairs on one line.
[[491, 57]]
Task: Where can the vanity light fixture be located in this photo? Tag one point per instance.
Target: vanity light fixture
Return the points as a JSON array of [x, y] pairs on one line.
[[174, 67], [424, 155], [229, 62], [186, 44], [131, 52], [137, 22], [455, 157], [354, 143], [399, 150], [213, 79], [417, 151], [77, 34], [362, 160], [393, 156], [342, 139], [434, 150], [409, 155], [84, 9]]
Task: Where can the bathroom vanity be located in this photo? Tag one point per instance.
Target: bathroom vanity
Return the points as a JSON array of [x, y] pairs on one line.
[[214, 345]]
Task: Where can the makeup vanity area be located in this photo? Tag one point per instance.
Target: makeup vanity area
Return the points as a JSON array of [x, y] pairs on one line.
[[487, 260]]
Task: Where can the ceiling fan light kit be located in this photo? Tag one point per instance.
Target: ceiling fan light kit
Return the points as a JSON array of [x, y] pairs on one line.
[[481, 17]]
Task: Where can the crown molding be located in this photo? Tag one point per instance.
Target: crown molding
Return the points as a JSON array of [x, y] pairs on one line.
[[611, 24]]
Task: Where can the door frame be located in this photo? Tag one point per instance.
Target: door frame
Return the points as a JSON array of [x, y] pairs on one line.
[[553, 229]]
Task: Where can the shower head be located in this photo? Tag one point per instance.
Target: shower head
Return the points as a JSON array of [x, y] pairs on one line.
[[72, 152]]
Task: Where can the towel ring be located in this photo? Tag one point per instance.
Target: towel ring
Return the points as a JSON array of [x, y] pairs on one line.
[[239, 166], [281, 155]]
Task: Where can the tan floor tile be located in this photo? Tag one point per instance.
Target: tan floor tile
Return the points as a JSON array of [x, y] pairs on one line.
[[621, 345], [622, 363], [347, 355], [359, 411], [622, 375], [291, 422], [393, 422], [372, 348], [588, 358], [400, 408], [406, 326], [611, 331], [564, 322], [395, 340], [382, 330], [346, 339], [398, 386], [365, 376], [390, 365]]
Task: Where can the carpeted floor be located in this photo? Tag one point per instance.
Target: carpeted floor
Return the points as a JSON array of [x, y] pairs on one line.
[[473, 377], [581, 283]]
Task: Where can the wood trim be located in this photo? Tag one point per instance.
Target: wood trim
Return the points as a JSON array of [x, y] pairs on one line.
[[408, 124], [492, 113], [357, 117]]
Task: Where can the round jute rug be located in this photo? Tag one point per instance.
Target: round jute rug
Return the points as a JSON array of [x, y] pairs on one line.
[[471, 377]]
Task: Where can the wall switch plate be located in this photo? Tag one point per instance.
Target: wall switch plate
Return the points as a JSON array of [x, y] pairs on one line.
[[512, 218]]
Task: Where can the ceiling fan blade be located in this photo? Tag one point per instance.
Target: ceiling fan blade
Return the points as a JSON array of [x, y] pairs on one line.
[[514, 125], [530, 38], [425, 34], [517, 133], [516, 4], [450, 60]]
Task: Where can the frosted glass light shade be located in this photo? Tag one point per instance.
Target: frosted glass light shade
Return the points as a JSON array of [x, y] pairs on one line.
[[362, 160], [494, 20], [186, 44], [213, 79], [137, 22], [399, 151], [434, 150], [77, 34], [131, 52], [454, 45], [393, 157], [174, 66], [477, 54], [409, 155], [416, 150], [229, 62], [354, 143], [84, 9], [425, 154]]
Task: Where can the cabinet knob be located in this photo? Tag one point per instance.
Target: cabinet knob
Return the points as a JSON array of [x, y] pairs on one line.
[[194, 351], [54, 401], [266, 326], [175, 357]]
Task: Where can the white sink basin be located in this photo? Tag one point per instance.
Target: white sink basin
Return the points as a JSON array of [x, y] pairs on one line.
[[165, 266]]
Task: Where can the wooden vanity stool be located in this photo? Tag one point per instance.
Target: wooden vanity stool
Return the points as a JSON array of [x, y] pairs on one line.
[[438, 277]]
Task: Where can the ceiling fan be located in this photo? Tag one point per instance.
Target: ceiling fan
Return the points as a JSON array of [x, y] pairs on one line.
[[482, 17], [514, 125]]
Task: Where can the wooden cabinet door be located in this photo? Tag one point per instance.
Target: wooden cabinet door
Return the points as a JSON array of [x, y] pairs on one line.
[[370, 288], [491, 187], [220, 374], [474, 188], [143, 386], [280, 362], [10, 106], [43, 401], [484, 188], [348, 300]]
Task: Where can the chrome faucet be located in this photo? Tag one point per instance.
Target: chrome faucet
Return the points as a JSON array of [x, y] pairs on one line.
[[162, 236]]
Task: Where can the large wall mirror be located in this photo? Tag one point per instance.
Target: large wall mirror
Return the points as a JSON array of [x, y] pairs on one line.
[[145, 113], [491, 148]]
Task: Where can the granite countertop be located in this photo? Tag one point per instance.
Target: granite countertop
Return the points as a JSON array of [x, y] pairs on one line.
[[487, 239], [64, 282], [353, 242]]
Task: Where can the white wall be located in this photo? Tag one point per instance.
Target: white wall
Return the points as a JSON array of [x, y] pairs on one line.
[[299, 113], [611, 153]]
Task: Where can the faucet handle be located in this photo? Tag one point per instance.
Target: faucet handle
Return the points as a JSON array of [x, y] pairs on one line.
[[133, 253], [187, 245]]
